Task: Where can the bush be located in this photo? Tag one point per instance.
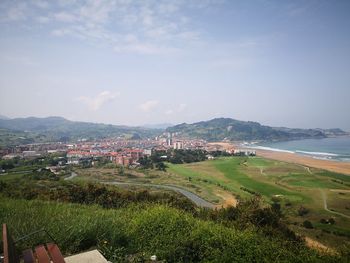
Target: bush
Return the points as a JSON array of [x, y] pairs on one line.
[[303, 211], [307, 224], [105, 196]]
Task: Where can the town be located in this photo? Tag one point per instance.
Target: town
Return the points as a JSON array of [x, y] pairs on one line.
[[124, 152]]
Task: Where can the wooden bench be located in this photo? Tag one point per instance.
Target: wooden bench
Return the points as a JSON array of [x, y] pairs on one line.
[[49, 253]]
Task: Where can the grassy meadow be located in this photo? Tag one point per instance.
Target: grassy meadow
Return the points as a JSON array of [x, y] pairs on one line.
[[224, 180], [134, 233], [290, 185], [302, 193]]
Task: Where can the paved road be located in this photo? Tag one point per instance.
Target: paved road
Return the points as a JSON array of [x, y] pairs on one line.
[[193, 197], [72, 175]]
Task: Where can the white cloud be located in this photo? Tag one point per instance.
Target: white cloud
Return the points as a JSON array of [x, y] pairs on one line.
[[180, 108], [16, 13], [145, 48], [95, 103], [60, 32], [64, 17], [41, 4], [43, 19], [148, 105], [20, 60], [157, 27]]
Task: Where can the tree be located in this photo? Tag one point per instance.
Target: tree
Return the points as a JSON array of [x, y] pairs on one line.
[[121, 171], [161, 166], [146, 162]]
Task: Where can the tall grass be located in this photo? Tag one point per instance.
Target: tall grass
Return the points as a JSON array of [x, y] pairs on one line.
[[138, 231]]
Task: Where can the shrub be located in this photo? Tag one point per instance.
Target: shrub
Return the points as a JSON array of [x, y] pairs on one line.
[[307, 224], [331, 221], [303, 211], [139, 231]]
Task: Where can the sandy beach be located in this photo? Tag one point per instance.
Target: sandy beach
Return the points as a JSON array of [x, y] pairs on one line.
[[334, 166]]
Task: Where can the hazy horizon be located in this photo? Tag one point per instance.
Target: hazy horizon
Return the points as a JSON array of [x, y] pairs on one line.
[[279, 63], [162, 125]]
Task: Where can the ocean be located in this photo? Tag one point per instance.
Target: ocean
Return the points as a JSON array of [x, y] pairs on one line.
[[337, 149]]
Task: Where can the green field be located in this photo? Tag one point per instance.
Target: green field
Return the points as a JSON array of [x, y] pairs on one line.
[[290, 185], [225, 180]]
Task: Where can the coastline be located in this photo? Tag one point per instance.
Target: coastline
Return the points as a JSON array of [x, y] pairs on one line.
[[289, 157], [333, 166]]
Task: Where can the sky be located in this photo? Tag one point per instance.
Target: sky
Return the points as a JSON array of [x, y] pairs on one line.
[[281, 63]]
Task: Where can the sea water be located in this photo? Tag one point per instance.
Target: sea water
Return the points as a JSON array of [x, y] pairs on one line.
[[337, 148]]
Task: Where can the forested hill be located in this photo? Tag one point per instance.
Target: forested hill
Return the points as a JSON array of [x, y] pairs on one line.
[[32, 129], [226, 128]]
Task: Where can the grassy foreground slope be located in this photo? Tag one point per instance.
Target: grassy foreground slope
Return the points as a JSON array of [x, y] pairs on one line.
[[300, 191], [142, 231]]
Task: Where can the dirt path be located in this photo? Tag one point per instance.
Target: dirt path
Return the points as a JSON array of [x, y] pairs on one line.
[[318, 246], [229, 200], [262, 171], [324, 197], [308, 169]]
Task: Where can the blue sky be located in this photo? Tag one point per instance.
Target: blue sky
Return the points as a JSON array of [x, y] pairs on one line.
[[282, 63]]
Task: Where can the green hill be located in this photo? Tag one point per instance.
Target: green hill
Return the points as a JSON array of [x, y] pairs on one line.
[[34, 129], [226, 128]]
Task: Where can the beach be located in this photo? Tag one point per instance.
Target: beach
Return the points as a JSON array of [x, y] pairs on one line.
[[333, 166]]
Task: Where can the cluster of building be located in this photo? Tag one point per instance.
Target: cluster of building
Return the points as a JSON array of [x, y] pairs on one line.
[[172, 141], [123, 157], [33, 150], [120, 151]]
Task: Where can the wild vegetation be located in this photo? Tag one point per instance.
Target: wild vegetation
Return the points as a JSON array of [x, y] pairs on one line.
[[300, 192], [135, 232], [42, 187], [130, 224]]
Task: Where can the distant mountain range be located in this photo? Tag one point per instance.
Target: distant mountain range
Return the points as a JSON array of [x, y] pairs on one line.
[[230, 129], [32, 129], [158, 125], [29, 130]]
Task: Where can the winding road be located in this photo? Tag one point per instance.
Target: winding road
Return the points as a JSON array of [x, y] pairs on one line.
[[191, 196], [72, 175]]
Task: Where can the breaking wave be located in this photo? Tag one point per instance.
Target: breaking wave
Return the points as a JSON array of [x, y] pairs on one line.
[[318, 153]]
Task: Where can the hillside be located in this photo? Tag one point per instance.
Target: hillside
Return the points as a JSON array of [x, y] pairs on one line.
[[34, 129], [31, 130], [226, 128]]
